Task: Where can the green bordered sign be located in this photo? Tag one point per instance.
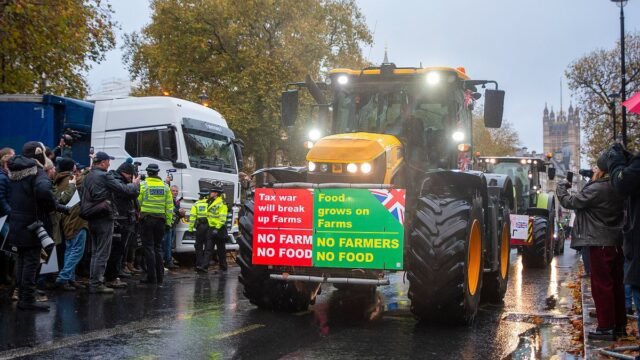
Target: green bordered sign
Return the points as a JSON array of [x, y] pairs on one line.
[[336, 228]]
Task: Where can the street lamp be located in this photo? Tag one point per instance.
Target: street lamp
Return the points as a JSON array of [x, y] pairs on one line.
[[204, 99], [612, 105], [623, 72]]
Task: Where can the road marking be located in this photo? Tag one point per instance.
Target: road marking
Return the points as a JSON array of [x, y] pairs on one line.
[[74, 340], [242, 330]]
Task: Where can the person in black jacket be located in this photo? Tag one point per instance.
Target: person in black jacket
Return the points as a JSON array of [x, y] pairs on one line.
[[125, 224], [6, 263], [31, 200], [100, 186], [625, 178], [598, 226]]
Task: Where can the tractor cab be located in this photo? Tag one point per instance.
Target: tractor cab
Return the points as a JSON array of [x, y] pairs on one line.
[[528, 174]]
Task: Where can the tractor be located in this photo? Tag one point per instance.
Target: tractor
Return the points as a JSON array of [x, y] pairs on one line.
[[392, 130], [540, 236]]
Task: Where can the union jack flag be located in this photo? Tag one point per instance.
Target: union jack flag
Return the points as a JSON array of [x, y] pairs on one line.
[[393, 200]]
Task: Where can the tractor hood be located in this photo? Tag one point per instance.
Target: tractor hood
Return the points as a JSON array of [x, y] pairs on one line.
[[354, 147]]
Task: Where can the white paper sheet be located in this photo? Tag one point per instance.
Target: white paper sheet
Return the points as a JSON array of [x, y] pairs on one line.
[[74, 200], [2, 221], [52, 265]]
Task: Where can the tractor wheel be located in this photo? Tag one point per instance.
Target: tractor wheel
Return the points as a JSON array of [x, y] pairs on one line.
[[495, 282], [445, 259], [539, 254], [262, 291]]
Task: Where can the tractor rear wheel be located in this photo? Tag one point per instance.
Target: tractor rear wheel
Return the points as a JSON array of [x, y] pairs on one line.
[[445, 259], [495, 282], [262, 291], [539, 254]]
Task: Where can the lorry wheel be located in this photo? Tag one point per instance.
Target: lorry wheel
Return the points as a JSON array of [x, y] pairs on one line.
[[495, 282], [258, 287], [538, 255], [445, 259]]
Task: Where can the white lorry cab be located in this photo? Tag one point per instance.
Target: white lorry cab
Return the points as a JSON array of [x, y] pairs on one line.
[[191, 144]]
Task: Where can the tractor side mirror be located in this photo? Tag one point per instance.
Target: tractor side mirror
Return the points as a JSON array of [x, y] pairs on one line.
[[289, 107], [493, 108], [551, 173]]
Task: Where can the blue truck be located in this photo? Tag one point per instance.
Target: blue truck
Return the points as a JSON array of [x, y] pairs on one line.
[[46, 118]]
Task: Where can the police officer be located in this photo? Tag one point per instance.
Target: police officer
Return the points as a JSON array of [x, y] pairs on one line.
[[156, 213], [218, 214], [199, 219]]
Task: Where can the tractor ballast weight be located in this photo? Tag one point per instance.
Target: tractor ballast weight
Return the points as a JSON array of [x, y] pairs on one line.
[[396, 142]]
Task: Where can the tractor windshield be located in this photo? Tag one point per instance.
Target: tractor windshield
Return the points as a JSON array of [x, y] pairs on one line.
[[519, 174], [388, 110]]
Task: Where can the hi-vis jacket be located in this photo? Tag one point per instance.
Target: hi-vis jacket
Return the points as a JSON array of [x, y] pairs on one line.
[[155, 199], [215, 212]]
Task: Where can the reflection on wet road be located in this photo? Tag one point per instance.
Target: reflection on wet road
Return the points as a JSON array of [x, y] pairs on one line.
[[196, 316]]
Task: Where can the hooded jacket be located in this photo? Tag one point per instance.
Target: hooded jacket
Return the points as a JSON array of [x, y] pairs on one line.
[[599, 213], [625, 179], [125, 203], [62, 192], [5, 209], [31, 199]]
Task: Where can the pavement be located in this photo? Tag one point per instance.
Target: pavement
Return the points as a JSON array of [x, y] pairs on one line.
[[592, 348]]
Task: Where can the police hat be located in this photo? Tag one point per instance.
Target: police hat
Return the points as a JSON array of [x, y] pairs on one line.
[[217, 188], [204, 192], [152, 168]]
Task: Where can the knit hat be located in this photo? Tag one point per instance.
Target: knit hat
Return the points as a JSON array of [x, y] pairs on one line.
[[65, 164], [126, 168], [34, 150], [602, 162]]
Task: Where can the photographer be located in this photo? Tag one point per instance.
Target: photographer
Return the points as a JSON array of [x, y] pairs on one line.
[[99, 189], [625, 177], [31, 200], [598, 226]]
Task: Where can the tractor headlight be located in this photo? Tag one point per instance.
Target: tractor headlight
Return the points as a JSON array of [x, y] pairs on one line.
[[312, 166], [324, 167], [458, 136], [365, 168], [343, 80], [314, 134], [352, 168]]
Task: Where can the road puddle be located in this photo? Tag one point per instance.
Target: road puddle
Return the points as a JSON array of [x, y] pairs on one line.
[[541, 341]]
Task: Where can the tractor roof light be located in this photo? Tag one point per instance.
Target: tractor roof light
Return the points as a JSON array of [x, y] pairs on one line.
[[352, 168], [523, 162], [433, 78], [365, 168], [312, 166], [343, 79], [528, 161]]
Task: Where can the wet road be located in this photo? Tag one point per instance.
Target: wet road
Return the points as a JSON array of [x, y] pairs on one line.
[[195, 317]]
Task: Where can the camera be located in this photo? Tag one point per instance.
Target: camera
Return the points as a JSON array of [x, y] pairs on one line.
[[588, 173], [70, 136], [46, 241]]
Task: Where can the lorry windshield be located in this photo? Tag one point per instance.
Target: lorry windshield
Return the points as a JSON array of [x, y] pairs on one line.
[[385, 110], [210, 151]]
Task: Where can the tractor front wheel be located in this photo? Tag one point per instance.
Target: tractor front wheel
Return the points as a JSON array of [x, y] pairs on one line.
[[539, 254], [495, 282]]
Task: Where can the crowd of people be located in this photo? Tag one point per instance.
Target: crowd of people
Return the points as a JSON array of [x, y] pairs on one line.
[[121, 224], [607, 209]]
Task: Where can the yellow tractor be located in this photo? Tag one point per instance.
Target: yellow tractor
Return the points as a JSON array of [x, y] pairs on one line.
[[403, 136]]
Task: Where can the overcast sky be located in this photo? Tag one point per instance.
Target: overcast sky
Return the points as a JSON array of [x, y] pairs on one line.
[[525, 46]]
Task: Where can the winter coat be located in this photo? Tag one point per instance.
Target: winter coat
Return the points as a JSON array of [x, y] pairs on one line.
[[5, 209], [101, 185], [626, 180], [125, 204], [599, 213], [31, 198], [73, 223], [62, 192]]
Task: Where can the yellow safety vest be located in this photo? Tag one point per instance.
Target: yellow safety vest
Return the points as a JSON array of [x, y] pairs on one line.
[[198, 211], [155, 198], [217, 213]]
